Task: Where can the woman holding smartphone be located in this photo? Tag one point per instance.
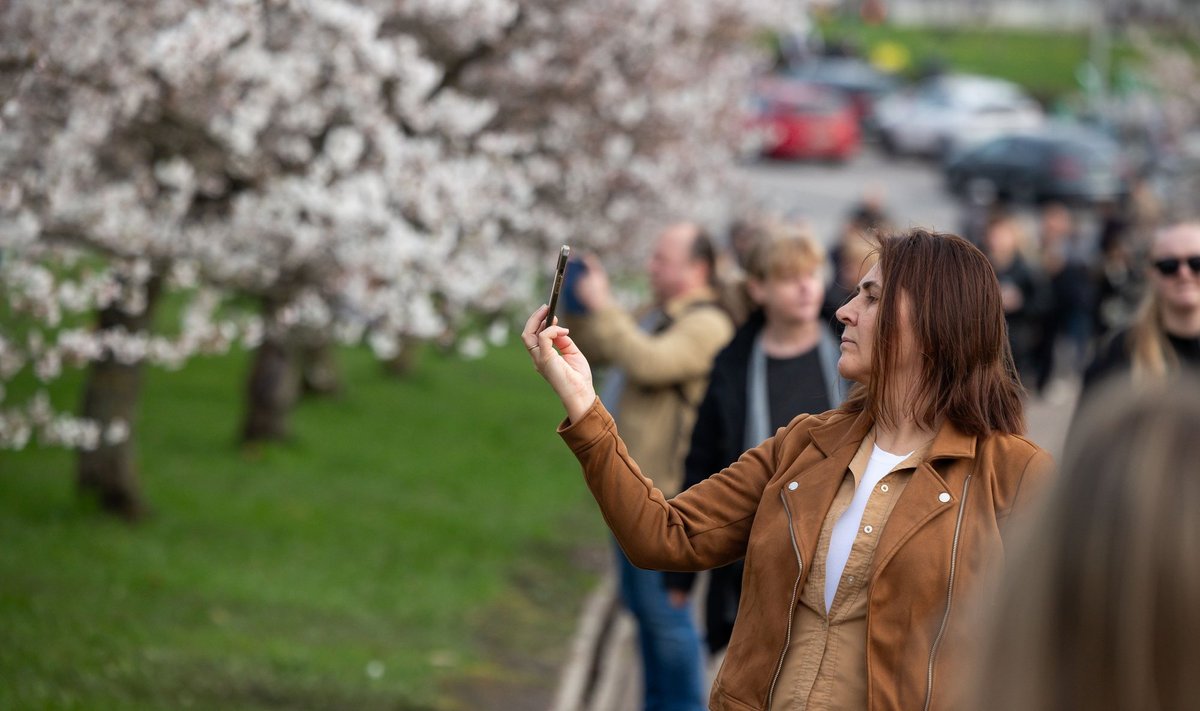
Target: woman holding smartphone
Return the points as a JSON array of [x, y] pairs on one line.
[[864, 528]]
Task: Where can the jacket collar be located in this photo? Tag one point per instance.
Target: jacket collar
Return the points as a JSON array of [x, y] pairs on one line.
[[676, 306], [842, 429]]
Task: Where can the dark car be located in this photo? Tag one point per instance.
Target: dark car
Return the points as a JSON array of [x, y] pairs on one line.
[[1071, 164], [862, 83]]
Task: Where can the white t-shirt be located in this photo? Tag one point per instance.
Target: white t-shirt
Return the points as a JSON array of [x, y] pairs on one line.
[[845, 530]]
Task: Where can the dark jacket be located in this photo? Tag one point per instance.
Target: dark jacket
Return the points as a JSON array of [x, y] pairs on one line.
[[1026, 324], [1115, 357], [717, 442]]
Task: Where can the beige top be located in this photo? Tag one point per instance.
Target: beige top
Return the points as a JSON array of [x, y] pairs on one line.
[[825, 666]]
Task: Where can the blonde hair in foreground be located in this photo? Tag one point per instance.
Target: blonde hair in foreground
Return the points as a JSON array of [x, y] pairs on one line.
[[1100, 608]]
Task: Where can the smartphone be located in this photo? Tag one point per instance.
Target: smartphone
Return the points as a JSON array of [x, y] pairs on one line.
[[556, 288]]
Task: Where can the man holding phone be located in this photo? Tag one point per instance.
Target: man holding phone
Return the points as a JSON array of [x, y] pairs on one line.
[[659, 362]]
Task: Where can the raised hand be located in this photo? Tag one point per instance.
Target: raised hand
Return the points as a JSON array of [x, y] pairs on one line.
[[560, 363]]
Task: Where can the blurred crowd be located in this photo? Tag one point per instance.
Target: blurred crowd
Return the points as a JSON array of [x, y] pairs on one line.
[[741, 339], [1074, 281]]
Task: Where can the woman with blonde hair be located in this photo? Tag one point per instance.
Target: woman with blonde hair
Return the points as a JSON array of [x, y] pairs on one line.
[[1165, 335], [1103, 614]]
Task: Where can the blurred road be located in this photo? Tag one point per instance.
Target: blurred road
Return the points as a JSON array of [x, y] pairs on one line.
[[822, 194], [912, 193]]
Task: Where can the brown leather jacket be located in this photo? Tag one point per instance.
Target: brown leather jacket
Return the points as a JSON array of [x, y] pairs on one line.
[[944, 535]]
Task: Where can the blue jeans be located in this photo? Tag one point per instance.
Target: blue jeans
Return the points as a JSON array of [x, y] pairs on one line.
[[672, 665]]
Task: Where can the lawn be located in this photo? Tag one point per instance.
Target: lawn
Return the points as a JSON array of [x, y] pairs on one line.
[[417, 538], [1045, 63]]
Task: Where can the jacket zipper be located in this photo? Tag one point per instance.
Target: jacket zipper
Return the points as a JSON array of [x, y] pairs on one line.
[[787, 642], [937, 641]]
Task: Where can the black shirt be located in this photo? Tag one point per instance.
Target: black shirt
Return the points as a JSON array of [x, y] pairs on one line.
[[1115, 357], [1188, 349], [798, 386]]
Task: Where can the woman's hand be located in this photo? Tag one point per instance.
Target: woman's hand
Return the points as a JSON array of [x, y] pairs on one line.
[[558, 361]]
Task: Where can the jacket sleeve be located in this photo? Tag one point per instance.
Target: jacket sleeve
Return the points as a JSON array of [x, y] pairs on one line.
[[682, 352], [1027, 489], [704, 527]]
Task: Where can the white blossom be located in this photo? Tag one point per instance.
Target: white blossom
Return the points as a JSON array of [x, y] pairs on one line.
[[116, 431], [376, 169]]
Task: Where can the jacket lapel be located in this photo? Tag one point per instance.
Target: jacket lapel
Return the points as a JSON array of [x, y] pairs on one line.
[[818, 483], [921, 500]]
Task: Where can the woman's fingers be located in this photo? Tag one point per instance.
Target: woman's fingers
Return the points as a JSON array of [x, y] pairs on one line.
[[562, 342], [530, 335], [539, 343], [550, 335]]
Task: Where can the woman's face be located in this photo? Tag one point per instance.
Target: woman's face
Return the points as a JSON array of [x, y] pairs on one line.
[[1001, 243], [790, 300], [1180, 290], [860, 316]]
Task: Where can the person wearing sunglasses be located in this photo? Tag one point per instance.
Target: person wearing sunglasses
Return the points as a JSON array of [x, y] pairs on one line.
[[1165, 335]]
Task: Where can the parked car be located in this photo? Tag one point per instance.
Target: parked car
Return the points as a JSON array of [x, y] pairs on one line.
[[793, 119], [862, 83], [1069, 163], [950, 112]]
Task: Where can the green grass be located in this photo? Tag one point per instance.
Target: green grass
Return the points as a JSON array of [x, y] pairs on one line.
[[429, 528], [1045, 63]]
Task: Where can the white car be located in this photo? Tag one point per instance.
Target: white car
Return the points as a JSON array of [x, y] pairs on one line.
[[947, 113]]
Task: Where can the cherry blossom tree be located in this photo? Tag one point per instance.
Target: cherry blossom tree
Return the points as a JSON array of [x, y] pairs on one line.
[[357, 171]]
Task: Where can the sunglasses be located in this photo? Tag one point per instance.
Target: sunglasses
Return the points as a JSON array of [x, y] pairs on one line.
[[1170, 265]]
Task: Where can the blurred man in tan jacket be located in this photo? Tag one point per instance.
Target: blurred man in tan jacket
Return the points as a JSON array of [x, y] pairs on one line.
[[659, 361]]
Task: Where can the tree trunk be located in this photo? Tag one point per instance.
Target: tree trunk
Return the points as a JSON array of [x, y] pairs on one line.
[[272, 388], [405, 361], [111, 391], [319, 374]]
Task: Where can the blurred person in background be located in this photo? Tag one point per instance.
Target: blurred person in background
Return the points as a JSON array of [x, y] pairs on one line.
[[1103, 613], [1023, 290], [1165, 335], [744, 235], [1066, 261], [780, 364], [896, 503], [1145, 212], [660, 362], [848, 258], [1119, 281], [976, 210]]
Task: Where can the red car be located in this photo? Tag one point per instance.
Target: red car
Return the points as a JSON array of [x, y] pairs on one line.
[[801, 120]]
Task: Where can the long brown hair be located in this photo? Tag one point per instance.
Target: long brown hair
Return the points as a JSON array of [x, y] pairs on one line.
[[1102, 612], [967, 371]]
